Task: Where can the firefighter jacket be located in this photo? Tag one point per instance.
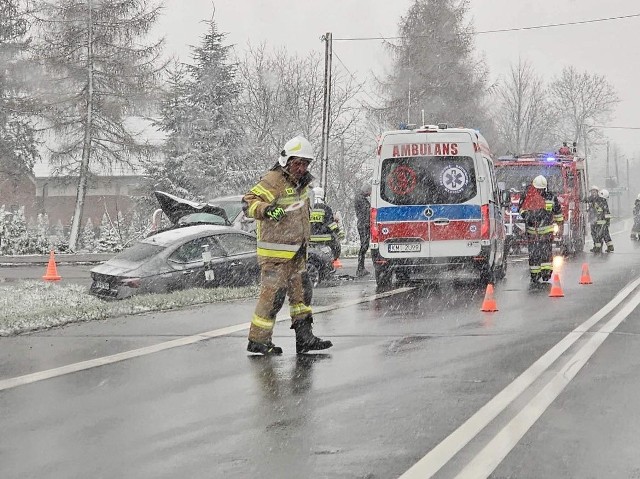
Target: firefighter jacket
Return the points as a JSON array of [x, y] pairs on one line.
[[601, 211], [323, 225], [636, 208], [540, 210], [279, 241]]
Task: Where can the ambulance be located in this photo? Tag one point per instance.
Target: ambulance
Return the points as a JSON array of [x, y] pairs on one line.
[[437, 212]]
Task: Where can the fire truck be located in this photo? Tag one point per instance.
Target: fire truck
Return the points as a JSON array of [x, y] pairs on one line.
[[565, 172]]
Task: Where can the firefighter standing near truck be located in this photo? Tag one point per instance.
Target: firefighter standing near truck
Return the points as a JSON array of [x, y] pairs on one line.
[[602, 220], [280, 203], [540, 210]]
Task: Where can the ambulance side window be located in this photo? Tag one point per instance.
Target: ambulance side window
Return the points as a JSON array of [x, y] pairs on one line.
[[493, 184]]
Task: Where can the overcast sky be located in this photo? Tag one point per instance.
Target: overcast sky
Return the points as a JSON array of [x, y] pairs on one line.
[[609, 48]]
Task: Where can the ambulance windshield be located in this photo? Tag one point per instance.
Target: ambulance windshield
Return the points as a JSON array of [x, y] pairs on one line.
[[428, 180]]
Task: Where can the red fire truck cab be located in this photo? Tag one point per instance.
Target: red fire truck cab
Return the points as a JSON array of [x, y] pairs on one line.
[[566, 178]]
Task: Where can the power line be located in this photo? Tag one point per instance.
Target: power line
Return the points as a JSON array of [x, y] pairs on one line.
[[618, 127], [354, 78], [502, 30]]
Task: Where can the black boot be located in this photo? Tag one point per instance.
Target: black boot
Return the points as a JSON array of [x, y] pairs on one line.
[[267, 348], [305, 340]]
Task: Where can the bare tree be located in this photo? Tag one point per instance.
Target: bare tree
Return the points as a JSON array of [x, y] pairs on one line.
[[524, 117], [282, 96], [581, 100]]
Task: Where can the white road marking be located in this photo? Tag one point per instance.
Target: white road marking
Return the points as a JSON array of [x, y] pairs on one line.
[[435, 459], [485, 462], [175, 343]]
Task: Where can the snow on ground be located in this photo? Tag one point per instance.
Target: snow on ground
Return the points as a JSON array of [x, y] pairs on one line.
[[34, 305]]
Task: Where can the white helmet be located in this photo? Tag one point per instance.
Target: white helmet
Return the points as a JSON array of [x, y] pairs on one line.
[[638, 197], [298, 146], [603, 193], [594, 187], [318, 193], [539, 182]]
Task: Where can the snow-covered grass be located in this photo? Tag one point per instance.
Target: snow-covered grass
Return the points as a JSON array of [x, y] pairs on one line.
[[33, 305]]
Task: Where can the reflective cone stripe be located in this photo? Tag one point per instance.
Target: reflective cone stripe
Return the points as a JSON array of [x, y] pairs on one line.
[[489, 303], [52, 271], [585, 278], [556, 289]]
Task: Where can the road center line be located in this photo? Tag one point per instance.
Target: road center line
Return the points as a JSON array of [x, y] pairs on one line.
[[435, 459], [175, 343], [486, 461]]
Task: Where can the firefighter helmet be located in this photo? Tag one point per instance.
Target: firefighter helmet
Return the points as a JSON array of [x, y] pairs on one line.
[[594, 187], [638, 197], [539, 182], [298, 147], [603, 193], [318, 194]]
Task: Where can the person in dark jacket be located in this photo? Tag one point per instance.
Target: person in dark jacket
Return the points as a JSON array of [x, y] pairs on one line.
[[540, 210], [324, 227], [362, 205]]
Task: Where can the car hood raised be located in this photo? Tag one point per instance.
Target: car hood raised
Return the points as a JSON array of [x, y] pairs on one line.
[[175, 208]]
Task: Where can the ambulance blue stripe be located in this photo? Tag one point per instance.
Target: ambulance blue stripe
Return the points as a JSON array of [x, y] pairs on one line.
[[416, 213]]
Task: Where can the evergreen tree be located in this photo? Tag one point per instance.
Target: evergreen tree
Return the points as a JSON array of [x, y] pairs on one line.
[[17, 139], [101, 70], [88, 238], [108, 239], [198, 117], [434, 70]]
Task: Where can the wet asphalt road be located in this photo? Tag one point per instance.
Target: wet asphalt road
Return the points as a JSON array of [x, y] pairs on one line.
[[405, 372]]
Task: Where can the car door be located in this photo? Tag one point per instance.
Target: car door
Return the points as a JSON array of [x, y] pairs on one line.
[[189, 265], [242, 260]]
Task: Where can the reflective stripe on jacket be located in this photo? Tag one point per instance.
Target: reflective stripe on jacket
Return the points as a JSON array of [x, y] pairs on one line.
[[278, 240]]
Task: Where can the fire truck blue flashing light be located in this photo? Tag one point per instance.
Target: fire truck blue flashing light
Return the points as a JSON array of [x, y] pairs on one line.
[[550, 158]]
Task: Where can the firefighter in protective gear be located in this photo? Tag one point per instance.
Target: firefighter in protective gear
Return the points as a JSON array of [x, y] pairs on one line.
[[324, 227], [635, 230], [600, 227], [540, 210], [280, 204]]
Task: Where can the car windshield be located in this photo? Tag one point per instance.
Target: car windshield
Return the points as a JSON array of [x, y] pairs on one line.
[[201, 218], [428, 180], [232, 207], [139, 252], [519, 177]]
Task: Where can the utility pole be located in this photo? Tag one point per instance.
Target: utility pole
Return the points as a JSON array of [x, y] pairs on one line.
[[326, 110]]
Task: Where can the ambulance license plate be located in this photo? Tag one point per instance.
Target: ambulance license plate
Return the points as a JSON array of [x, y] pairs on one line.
[[404, 247], [102, 285]]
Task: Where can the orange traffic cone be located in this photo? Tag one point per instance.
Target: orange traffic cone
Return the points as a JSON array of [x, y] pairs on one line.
[[489, 303], [336, 263], [585, 278], [52, 271], [556, 289]]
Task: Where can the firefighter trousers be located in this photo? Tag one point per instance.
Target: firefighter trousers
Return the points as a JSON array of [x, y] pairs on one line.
[[278, 280], [540, 253], [599, 234]]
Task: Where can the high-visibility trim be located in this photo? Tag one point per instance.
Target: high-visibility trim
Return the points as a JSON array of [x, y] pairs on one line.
[[540, 230], [269, 253], [535, 269], [262, 191], [546, 266], [320, 238], [277, 250], [316, 216], [251, 211], [601, 222], [558, 218], [333, 226], [288, 200], [299, 309], [548, 205], [263, 323]]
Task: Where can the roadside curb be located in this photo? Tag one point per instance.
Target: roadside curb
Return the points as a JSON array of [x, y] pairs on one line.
[[60, 258]]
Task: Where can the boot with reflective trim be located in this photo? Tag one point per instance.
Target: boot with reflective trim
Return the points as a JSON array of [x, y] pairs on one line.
[[305, 340], [263, 348], [610, 248]]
